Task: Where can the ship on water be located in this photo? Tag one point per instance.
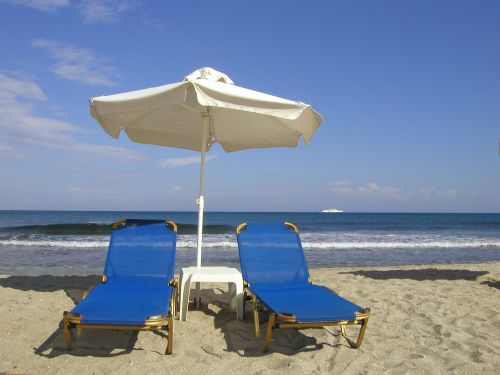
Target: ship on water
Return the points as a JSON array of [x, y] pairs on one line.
[[332, 210]]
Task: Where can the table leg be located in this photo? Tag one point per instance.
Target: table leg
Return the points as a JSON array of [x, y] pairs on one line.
[[239, 299], [197, 298], [185, 289], [232, 296]]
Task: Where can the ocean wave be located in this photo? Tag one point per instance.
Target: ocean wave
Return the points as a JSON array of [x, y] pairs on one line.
[[86, 244], [104, 229], [55, 243], [401, 245], [229, 244], [361, 244]]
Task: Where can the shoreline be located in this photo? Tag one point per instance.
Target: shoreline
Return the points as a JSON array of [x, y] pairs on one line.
[[61, 262], [426, 319]]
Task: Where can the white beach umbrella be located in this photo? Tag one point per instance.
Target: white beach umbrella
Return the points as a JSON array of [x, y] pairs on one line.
[[204, 109]]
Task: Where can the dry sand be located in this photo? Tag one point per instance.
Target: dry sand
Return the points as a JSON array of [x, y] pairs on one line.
[[425, 320]]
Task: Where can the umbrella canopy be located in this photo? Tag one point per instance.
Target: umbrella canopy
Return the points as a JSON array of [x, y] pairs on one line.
[[204, 109]]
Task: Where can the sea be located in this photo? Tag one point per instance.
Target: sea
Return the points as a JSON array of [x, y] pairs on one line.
[[75, 242]]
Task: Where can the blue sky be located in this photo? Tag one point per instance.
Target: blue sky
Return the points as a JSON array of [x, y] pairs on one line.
[[409, 92]]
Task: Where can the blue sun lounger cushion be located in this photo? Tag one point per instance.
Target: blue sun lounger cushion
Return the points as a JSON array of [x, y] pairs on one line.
[[138, 289], [275, 271]]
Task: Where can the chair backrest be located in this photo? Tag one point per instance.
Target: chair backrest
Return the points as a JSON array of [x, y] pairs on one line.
[[141, 249], [271, 255]]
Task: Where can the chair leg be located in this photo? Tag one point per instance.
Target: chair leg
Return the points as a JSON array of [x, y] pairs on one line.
[[342, 331], [246, 298], [173, 303], [361, 334], [68, 336], [170, 335], [256, 317], [269, 333]]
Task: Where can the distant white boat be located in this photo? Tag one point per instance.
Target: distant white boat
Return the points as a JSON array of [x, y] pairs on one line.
[[332, 210]]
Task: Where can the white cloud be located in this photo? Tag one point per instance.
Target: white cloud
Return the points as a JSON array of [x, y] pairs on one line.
[[175, 189], [346, 187], [431, 193], [371, 186], [20, 122], [427, 192], [43, 5], [181, 162], [376, 191], [97, 11], [17, 100], [104, 11], [13, 87], [77, 64], [343, 190], [6, 150], [100, 151], [450, 193]]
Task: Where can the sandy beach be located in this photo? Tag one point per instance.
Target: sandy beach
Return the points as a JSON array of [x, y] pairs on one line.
[[425, 320]]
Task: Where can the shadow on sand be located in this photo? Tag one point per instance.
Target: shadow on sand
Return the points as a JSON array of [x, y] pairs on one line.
[[492, 283], [240, 335], [73, 286], [97, 343], [420, 274]]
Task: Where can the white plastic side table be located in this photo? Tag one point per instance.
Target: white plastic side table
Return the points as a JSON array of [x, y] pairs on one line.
[[228, 275]]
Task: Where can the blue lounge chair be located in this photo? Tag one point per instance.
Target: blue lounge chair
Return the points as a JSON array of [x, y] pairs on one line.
[[138, 290], [275, 274]]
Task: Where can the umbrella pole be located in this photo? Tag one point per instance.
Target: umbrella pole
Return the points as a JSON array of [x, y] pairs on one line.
[[200, 201]]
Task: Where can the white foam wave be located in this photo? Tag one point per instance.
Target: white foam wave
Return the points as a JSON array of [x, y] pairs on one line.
[[218, 243], [56, 243], [400, 245], [207, 244]]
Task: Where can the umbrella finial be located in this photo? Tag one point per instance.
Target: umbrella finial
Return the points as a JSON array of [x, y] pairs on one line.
[[209, 74]]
